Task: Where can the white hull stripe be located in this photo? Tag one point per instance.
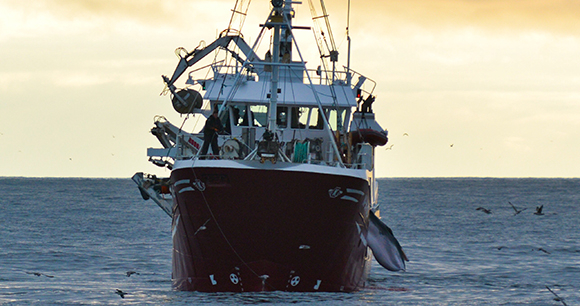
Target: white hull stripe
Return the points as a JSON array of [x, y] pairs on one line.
[[349, 199], [279, 166], [180, 182], [186, 189], [350, 190]]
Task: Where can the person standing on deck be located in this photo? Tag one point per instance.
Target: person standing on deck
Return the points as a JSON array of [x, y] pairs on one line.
[[212, 127]]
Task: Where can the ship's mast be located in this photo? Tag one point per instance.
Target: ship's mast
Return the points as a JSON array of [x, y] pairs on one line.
[[281, 49], [348, 76], [276, 20]]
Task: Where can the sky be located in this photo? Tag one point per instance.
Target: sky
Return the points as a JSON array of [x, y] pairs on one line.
[[465, 88]]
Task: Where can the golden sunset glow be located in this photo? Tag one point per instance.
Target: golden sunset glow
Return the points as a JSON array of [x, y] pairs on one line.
[[465, 88]]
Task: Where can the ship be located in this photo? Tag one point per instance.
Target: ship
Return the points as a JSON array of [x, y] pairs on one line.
[[290, 201]]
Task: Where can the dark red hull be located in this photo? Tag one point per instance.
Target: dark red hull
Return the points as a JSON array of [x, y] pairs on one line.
[[240, 229]]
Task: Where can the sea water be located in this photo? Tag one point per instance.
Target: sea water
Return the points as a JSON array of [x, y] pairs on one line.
[[83, 235]]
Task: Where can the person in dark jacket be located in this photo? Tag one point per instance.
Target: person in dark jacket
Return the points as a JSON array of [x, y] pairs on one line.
[[212, 127]]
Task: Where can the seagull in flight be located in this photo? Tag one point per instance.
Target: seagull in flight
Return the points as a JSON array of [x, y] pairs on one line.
[[485, 210], [539, 210], [541, 249], [40, 274], [517, 211], [129, 273], [120, 293]]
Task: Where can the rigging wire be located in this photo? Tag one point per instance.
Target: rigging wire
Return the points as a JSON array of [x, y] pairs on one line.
[[239, 10], [287, 74], [245, 263], [328, 27], [317, 98], [258, 41], [320, 40]]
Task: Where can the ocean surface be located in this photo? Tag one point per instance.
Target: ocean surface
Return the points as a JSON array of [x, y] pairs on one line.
[[83, 235]]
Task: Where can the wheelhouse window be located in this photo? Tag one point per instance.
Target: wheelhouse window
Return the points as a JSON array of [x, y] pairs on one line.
[[316, 122], [336, 118], [259, 115], [299, 117], [311, 118], [282, 116], [240, 115]]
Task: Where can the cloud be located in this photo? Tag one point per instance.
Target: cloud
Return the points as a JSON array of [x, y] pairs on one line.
[[72, 9], [152, 12], [538, 15]]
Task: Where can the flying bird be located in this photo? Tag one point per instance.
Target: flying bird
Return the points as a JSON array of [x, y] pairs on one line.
[[120, 293], [517, 211], [405, 134], [40, 274], [389, 147], [539, 210], [485, 210], [129, 273], [541, 249]]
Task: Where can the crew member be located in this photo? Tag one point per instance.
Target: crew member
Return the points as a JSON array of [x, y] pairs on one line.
[[212, 127], [366, 106]]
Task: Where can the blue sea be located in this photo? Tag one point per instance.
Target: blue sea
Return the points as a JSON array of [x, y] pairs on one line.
[[83, 235]]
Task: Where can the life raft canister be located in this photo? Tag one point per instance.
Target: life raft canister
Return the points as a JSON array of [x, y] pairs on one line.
[[370, 136]]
